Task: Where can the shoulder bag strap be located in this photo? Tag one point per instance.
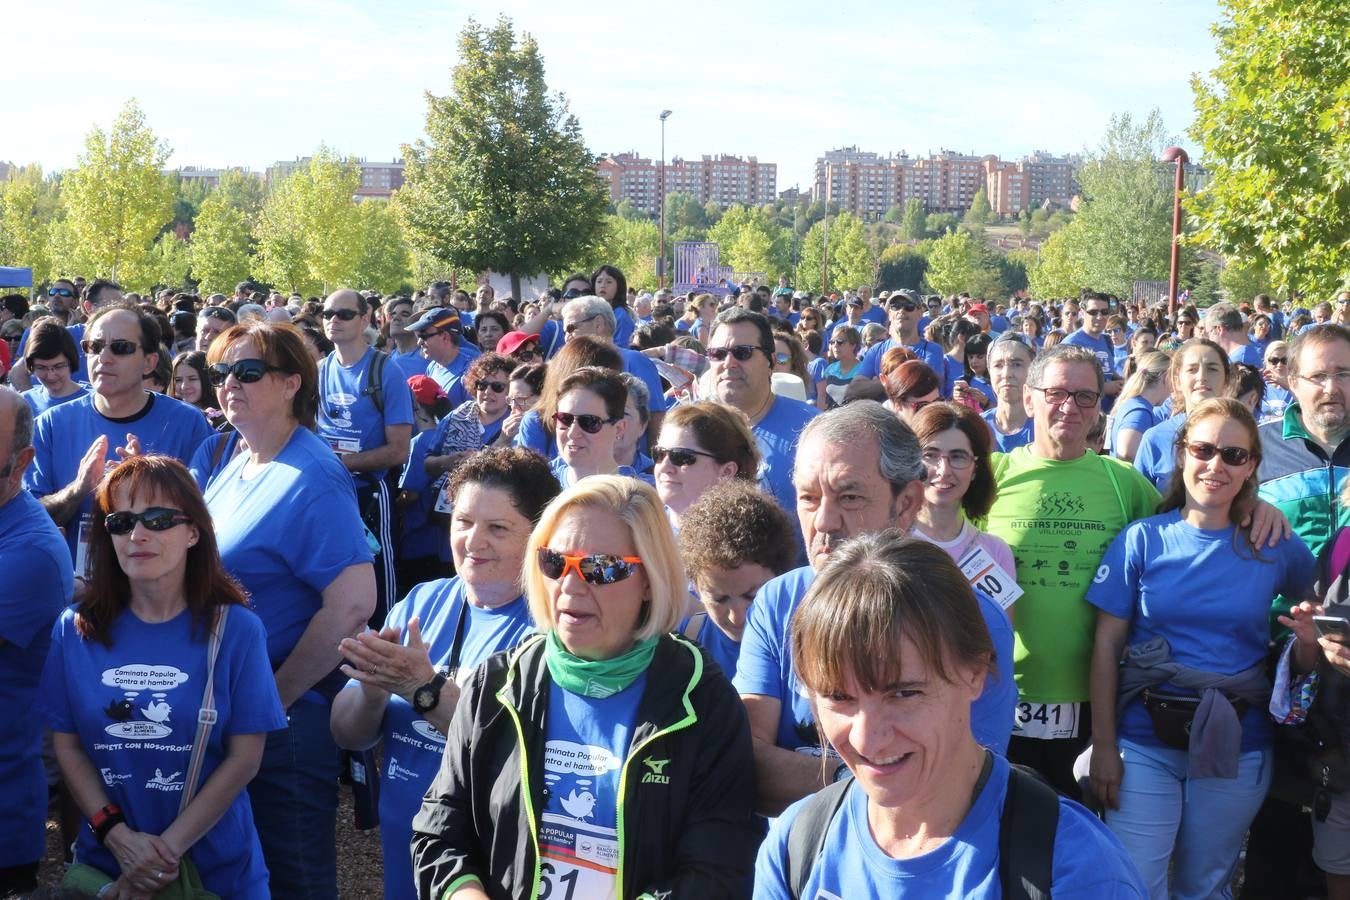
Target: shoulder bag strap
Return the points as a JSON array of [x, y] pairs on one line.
[[806, 835], [206, 716], [375, 380], [1026, 837]]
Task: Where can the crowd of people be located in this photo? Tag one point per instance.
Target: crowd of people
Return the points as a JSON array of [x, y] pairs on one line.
[[607, 593]]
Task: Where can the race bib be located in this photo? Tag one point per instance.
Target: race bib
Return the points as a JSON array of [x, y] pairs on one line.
[[1047, 721], [343, 445], [577, 879], [985, 573]]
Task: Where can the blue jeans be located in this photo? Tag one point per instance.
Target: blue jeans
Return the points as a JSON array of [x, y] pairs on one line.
[[294, 798], [1197, 824]]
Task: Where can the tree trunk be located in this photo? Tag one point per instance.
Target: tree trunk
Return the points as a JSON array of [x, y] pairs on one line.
[[515, 286]]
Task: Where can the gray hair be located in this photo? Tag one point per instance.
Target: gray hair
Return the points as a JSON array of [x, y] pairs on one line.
[[23, 422], [641, 395], [1064, 354], [1225, 315], [900, 456], [590, 306]]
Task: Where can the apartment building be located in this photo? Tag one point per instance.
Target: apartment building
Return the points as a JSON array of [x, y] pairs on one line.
[[721, 179]]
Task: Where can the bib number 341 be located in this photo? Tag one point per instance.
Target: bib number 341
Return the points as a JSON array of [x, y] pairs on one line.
[[1047, 721]]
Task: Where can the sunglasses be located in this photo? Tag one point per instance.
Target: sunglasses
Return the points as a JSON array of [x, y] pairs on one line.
[[782, 358], [522, 402], [345, 315], [246, 371], [118, 347], [1278, 360], [1232, 456], [60, 292], [587, 423], [679, 456], [156, 518], [572, 328], [906, 305], [742, 352], [525, 354], [597, 568], [496, 387], [1096, 313]]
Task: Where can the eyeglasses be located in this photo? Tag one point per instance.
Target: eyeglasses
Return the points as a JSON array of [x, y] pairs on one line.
[[957, 459], [839, 342], [742, 352], [1059, 396], [1097, 313], [156, 518], [782, 358], [587, 423], [246, 371], [118, 347], [60, 292], [597, 568], [906, 305], [1328, 380], [526, 354], [54, 369], [683, 457], [1278, 360], [522, 402], [572, 328], [345, 315], [496, 387], [1205, 451]]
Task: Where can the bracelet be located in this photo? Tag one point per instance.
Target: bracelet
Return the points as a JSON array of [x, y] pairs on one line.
[[105, 820]]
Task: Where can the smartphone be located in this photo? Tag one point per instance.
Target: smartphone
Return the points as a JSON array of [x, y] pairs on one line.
[[1329, 625]]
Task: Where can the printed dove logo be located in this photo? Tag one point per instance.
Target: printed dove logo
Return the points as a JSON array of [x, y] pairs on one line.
[[158, 711], [578, 806]]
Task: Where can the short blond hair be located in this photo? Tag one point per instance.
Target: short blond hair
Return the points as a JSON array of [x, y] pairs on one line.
[[638, 506]]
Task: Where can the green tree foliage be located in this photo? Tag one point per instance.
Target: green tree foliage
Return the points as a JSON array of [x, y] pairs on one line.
[[1240, 283], [851, 262], [1273, 120], [901, 266], [959, 262], [627, 210], [750, 240], [980, 212], [914, 225], [25, 221], [170, 262], [504, 182], [117, 199], [1060, 270], [631, 246], [895, 215], [941, 223], [244, 191], [684, 211], [382, 257], [309, 232], [220, 246], [188, 195]]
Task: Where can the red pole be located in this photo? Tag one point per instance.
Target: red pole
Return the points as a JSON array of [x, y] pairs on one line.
[[1177, 155]]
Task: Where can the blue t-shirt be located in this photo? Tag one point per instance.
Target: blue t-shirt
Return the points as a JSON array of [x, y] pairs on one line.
[[286, 533], [585, 744], [206, 464], [551, 338], [623, 326], [40, 399], [1276, 400], [1247, 355], [567, 477], [134, 705], [420, 536], [721, 648], [1006, 443], [62, 435], [348, 419], [1157, 455], [926, 351], [1089, 862], [38, 585], [640, 366], [1135, 414], [1209, 600], [776, 436], [412, 746], [411, 363], [451, 377], [984, 387], [532, 435], [765, 667], [1106, 357]]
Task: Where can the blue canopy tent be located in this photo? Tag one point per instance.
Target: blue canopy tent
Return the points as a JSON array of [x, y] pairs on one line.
[[13, 276]]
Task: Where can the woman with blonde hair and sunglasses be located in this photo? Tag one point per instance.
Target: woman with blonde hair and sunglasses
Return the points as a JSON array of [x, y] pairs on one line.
[[602, 757], [1181, 733]]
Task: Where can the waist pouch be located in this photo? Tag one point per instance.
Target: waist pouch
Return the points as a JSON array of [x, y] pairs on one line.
[[1172, 716]]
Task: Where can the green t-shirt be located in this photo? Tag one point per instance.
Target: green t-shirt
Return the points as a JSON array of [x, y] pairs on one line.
[[1058, 518]]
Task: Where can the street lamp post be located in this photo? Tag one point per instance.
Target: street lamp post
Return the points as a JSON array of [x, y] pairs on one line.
[[661, 263], [1178, 156]]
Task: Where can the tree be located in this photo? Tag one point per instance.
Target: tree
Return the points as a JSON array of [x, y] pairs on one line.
[[750, 240], [171, 262], [941, 223], [958, 262], [1059, 271], [382, 260], [117, 199], [1273, 120], [895, 215], [309, 232], [1241, 282], [627, 210], [244, 191], [851, 262], [980, 212], [220, 247], [629, 245], [188, 195], [503, 182], [24, 223], [901, 266], [914, 225]]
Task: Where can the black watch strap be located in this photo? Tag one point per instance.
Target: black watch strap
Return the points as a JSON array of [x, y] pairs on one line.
[[428, 695]]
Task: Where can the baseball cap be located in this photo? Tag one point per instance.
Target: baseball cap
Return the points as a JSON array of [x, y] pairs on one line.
[[978, 308], [440, 317], [425, 390], [855, 301], [514, 340]]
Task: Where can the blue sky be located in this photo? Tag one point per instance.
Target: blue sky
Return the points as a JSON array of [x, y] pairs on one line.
[[247, 83]]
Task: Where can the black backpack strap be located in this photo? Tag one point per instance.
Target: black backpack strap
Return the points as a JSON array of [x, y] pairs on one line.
[[1026, 836], [806, 834], [375, 380]]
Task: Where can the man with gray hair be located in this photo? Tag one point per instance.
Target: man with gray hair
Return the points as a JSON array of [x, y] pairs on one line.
[[39, 583], [858, 470], [1224, 326], [593, 316]]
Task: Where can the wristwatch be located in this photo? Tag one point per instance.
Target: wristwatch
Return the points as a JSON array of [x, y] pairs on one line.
[[426, 697]]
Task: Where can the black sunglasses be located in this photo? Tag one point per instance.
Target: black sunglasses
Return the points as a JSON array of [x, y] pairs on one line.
[[589, 424], [246, 371], [597, 568], [118, 347], [906, 305], [496, 387], [345, 315], [1205, 451], [156, 518], [525, 354], [679, 456], [1278, 360], [742, 352]]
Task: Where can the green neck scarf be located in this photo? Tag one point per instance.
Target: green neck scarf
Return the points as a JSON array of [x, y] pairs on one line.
[[596, 678]]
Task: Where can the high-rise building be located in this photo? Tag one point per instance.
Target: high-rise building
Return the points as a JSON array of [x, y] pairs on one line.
[[210, 177], [720, 179], [378, 179]]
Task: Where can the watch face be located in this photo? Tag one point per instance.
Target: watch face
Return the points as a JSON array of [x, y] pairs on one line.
[[423, 698]]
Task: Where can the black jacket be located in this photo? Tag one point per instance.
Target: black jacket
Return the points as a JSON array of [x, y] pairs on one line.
[[690, 833]]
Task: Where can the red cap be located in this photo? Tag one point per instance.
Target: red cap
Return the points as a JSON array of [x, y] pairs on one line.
[[513, 341], [978, 307], [425, 390]]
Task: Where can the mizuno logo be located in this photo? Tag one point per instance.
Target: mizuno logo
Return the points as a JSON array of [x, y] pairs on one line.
[[655, 776]]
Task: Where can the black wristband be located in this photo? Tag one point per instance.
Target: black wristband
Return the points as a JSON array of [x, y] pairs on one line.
[[105, 820]]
